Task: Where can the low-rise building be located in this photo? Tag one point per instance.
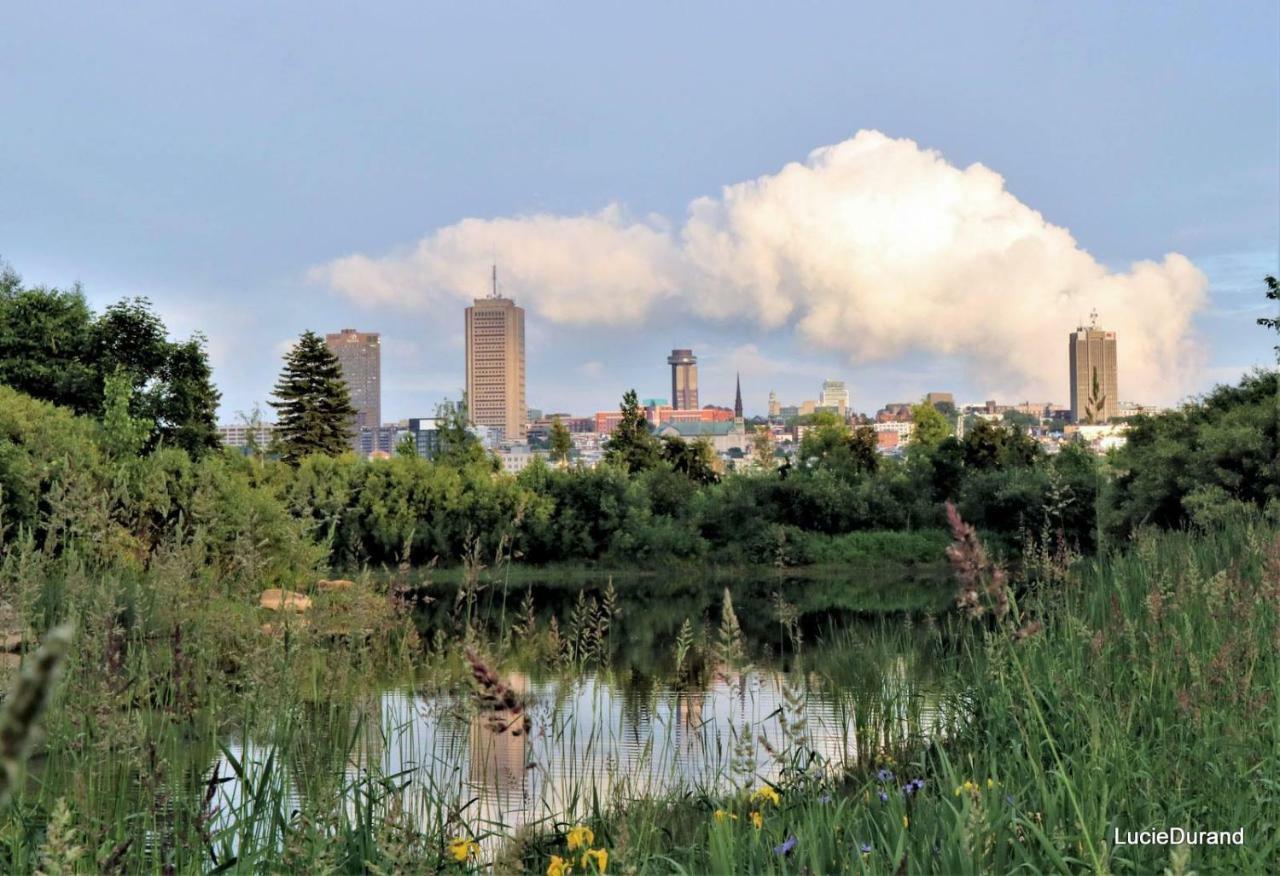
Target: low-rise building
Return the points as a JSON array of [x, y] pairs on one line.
[[240, 434], [723, 436]]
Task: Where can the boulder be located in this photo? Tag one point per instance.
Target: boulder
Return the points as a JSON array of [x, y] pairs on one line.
[[332, 586], [283, 600]]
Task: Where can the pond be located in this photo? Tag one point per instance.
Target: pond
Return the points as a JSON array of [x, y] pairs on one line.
[[825, 670]]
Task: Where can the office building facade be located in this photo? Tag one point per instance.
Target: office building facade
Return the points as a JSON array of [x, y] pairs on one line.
[[495, 366], [684, 380], [360, 355], [1092, 354]]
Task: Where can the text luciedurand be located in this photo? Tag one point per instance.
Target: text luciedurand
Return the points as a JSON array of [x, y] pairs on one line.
[[1176, 836]]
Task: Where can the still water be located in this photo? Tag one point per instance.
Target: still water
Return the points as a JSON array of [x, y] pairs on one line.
[[846, 679]]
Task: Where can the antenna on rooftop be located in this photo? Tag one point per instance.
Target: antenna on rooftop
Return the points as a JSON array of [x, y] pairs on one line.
[[495, 282], [1093, 318]]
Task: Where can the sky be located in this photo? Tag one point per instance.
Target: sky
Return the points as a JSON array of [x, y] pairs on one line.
[[909, 197]]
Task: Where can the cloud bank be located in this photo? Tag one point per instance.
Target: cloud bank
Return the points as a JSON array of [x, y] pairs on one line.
[[873, 248]]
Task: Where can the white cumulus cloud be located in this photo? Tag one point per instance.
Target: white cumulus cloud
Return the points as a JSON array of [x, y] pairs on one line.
[[873, 247]]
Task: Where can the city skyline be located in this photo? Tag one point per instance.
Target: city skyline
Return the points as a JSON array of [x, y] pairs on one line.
[[625, 238]]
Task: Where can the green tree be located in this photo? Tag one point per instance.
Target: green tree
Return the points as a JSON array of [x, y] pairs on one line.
[[53, 348], [632, 446], [407, 445], [560, 440], [312, 402], [931, 427], [44, 344], [123, 435], [762, 448], [1273, 294], [1096, 402], [696, 460], [185, 401], [459, 447]]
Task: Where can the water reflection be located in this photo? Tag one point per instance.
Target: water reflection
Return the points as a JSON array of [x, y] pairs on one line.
[[591, 739]]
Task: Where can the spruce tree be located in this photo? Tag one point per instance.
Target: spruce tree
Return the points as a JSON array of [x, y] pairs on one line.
[[312, 401]]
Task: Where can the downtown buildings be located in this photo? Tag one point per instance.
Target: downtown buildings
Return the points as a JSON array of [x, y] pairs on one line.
[[1092, 367], [684, 380], [360, 355], [495, 365]]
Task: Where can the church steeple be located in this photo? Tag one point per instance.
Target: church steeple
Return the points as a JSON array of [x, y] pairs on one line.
[[737, 399]]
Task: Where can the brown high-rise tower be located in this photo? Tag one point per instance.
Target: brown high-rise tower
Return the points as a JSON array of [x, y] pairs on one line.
[[1095, 396], [360, 354], [495, 364], [684, 380]]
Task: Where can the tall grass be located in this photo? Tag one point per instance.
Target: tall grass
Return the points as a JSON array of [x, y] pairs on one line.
[[1132, 691]]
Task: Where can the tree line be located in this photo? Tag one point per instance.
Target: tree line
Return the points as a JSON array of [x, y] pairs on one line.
[[140, 445]]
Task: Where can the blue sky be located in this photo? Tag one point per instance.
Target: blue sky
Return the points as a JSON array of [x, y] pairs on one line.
[[214, 159]]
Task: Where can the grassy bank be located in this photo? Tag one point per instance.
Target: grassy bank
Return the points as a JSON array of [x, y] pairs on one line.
[[1145, 699]]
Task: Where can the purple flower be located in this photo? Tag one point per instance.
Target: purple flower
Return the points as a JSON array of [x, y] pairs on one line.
[[884, 798], [786, 847], [824, 799], [912, 787], [865, 848], [884, 775]]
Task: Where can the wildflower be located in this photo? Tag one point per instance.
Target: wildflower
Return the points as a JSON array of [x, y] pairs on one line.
[[992, 783], [969, 787], [906, 822], [722, 816], [786, 847], [884, 775], [865, 848], [580, 837], [766, 794], [913, 786], [884, 798], [824, 799], [757, 820], [558, 867], [600, 857], [461, 848]]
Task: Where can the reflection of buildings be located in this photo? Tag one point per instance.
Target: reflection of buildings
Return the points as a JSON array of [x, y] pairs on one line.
[[499, 744]]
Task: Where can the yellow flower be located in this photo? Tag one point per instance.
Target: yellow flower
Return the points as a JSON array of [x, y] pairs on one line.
[[558, 867], [461, 848], [580, 837], [766, 794], [722, 816], [906, 822], [992, 783], [600, 856], [757, 819], [968, 787]]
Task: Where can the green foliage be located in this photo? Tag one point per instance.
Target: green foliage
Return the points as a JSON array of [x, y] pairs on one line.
[[1226, 443], [931, 427], [696, 459], [122, 433], [312, 403], [459, 446], [1096, 403], [632, 445], [561, 442], [54, 348], [1273, 323]]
